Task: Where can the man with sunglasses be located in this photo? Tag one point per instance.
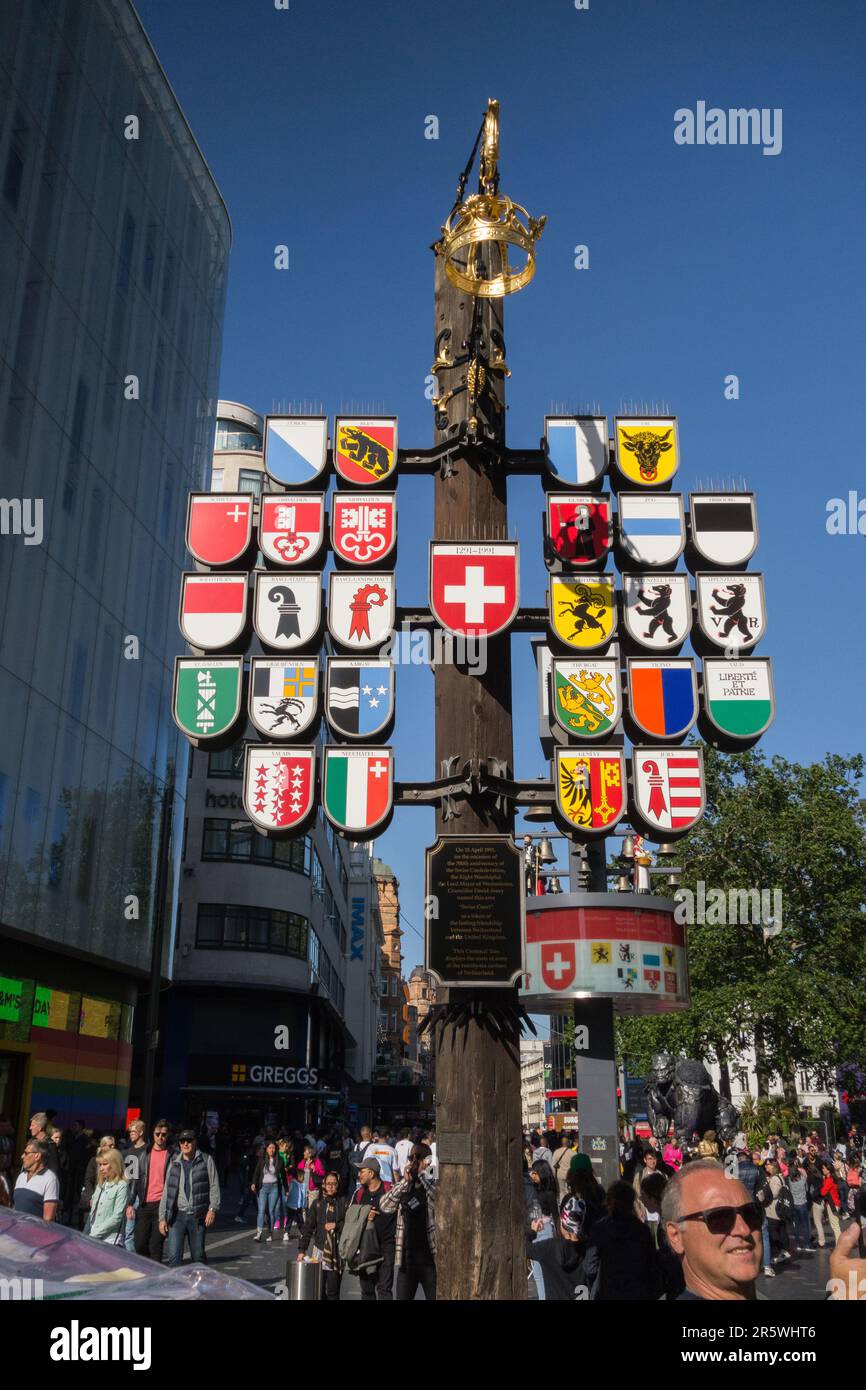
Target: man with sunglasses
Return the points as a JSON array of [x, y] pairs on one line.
[[190, 1200], [148, 1187], [714, 1225]]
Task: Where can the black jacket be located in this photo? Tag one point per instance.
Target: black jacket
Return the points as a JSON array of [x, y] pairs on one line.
[[621, 1261], [138, 1186], [323, 1209], [259, 1173], [562, 1266], [814, 1182]]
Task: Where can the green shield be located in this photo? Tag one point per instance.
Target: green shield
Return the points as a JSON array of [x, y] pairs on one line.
[[207, 695]]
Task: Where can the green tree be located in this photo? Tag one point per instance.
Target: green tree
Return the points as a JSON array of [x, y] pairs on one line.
[[797, 995]]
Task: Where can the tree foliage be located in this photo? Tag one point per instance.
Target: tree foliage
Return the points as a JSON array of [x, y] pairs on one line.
[[797, 995]]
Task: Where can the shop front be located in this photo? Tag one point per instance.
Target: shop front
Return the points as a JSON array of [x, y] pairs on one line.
[[284, 1070], [65, 1041]]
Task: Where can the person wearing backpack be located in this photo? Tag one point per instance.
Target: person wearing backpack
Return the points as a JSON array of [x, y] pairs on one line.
[[357, 1152], [775, 1197], [377, 1283], [560, 1163]]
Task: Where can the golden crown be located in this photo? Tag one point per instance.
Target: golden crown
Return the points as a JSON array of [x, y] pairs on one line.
[[489, 216]]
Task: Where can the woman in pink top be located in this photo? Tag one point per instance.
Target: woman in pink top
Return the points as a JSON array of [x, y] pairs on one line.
[[310, 1173], [673, 1156]]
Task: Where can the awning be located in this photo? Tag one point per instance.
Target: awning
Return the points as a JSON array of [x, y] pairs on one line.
[[306, 1091]]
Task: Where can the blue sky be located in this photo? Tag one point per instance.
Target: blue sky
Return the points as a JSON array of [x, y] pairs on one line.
[[704, 261]]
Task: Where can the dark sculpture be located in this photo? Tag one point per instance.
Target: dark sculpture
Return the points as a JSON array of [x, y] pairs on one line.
[[681, 1090]]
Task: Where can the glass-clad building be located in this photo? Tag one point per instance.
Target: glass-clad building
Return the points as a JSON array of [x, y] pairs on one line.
[[114, 243]]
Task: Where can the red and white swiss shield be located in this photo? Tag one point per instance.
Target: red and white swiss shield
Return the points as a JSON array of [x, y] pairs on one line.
[[363, 528], [291, 527], [219, 527], [213, 609], [279, 786], [558, 964], [474, 588]]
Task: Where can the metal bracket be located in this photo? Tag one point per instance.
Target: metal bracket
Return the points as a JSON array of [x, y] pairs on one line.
[[448, 802]]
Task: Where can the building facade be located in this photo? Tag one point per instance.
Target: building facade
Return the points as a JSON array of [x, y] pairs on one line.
[[113, 262], [277, 942], [391, 1050], [422, 996], [532, 1096]]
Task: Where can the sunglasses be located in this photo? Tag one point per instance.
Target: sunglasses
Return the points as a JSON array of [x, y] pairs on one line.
[[720, 1221]]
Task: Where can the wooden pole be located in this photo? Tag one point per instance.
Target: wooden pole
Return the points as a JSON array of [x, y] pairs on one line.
[[481, 1251]]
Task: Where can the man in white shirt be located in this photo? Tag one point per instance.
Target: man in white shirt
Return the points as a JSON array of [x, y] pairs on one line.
[[403, 1148], [37, 1190], [543, 1151], [386, 1157]]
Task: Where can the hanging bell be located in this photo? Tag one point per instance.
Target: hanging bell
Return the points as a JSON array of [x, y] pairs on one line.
[[545, 851], [627, 851], [624, 884], [553, 884]]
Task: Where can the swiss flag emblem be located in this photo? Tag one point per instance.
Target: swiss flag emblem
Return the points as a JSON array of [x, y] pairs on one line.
[[558, 964], [474, 588], [219, 527]]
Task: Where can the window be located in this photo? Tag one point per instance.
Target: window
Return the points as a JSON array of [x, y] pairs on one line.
[[149, 255], [250, 480], [232, 437], [167, 298], [227, 763], [14, 175], [86, 858], [58, 846], [266, 930], [216, 480], [76, 439], [127, 241], [318, 874], [236, 841], [324, 971]]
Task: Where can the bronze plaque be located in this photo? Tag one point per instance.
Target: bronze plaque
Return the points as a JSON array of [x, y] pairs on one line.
[[474, 909]]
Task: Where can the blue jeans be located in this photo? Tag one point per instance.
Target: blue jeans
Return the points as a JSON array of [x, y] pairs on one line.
[[129, 1233], [765, 1237], [185, 1225], [269, 1202], [802, 1229], [537, 1271]]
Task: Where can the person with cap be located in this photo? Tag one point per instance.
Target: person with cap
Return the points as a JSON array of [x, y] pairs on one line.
[[190, 1200], [377, 1285]]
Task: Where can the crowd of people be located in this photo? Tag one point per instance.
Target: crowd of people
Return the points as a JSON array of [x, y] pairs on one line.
[[695, 1223], [365, 1205], [702, 1222]]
